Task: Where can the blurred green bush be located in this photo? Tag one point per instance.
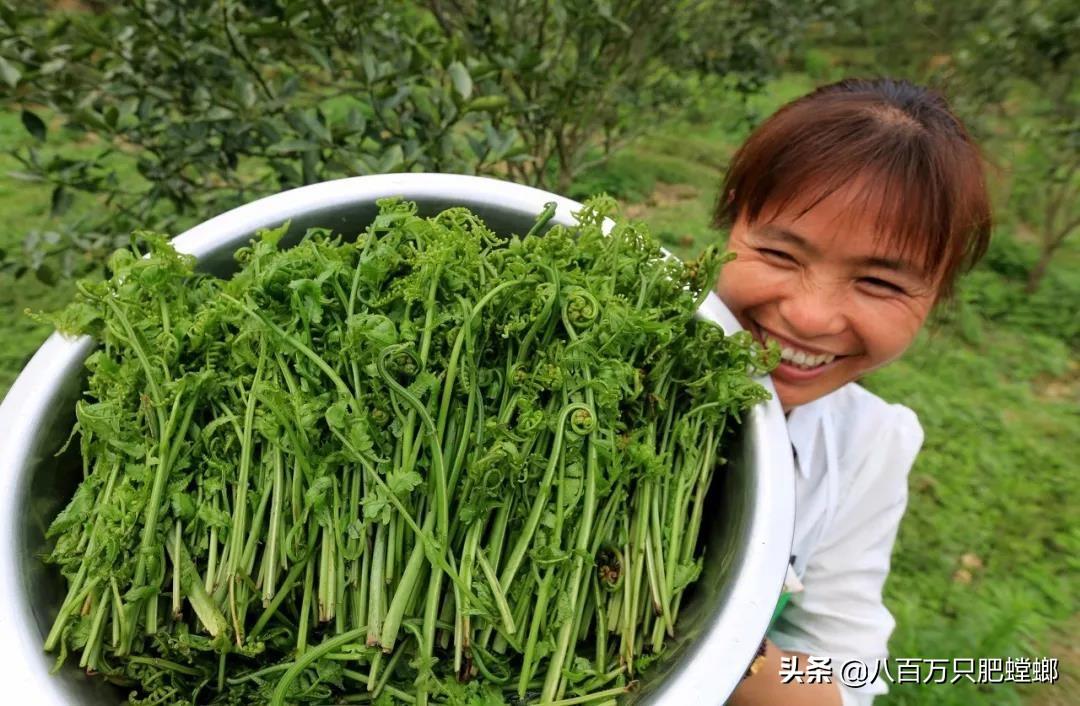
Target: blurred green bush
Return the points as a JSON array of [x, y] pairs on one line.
[[183, 109]]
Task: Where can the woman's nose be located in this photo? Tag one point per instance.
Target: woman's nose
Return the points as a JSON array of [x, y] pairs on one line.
[[813, 311]]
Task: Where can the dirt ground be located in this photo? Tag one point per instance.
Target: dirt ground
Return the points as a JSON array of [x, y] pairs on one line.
[[1066, 692], [663, 195]]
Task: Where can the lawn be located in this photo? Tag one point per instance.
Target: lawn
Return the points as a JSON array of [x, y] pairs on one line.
[[987, 557]]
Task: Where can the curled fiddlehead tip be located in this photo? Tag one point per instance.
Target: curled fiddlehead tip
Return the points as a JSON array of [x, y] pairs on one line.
[[609, 568], [542, 220], [582, 421], [582, 308], [519, 374]]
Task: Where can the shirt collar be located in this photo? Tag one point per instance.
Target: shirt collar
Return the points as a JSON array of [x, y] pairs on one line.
[[813, 437]]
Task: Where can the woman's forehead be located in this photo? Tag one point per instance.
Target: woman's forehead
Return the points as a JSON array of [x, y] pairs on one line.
[[855, 218], [847, 227], [879, 253]]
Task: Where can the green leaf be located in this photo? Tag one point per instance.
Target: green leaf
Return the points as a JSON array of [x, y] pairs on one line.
[[500, 143], [61, 201], [336, 414], [316, 494], [212, 516], [355, 120], [391, 160], [367, 60], [76, 512], [33, 124], [25, 176], [320, 56], [273, 236], [53, 67], [309, 163], [310, 123], [487, 104], [686, 573], [391, 104], [218, 113], [603, 9], [459, 75], [403, 482], [46, 275], [247, 94], [183, 506], [293, 145], [373, 329], [9, 73], [88, 117]]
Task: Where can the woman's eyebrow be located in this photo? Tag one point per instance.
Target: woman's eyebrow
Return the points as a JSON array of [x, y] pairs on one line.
[[788, 236], [899, 265], [888, 263]]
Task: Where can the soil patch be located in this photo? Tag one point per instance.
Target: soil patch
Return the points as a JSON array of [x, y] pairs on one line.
[[1064, 647], [663, 194]]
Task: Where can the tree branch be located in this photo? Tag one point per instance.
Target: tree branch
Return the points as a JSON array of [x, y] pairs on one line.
[[1060, 236], [242, 56]]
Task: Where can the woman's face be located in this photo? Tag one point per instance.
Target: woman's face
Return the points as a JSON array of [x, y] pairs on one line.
[[839, 300]]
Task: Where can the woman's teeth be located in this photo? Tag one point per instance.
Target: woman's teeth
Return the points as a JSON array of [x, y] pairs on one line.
[[804, 360]]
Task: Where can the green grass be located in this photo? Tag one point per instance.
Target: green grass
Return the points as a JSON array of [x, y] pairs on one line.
[[996, 385], [986, 558]]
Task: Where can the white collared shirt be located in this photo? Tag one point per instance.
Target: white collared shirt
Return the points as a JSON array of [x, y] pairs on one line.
[[853, 452]]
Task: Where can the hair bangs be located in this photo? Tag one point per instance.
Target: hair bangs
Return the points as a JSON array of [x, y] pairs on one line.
[[915, 170]]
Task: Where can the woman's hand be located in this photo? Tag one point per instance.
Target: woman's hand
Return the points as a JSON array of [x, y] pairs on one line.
[[765, 688]]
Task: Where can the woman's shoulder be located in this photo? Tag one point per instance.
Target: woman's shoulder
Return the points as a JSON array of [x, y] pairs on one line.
[[855, 401], [865, 426]]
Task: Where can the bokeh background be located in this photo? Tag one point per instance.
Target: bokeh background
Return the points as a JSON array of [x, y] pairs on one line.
[[157, 114]]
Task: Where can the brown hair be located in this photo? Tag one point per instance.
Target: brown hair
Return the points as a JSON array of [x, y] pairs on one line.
[[927, 174]]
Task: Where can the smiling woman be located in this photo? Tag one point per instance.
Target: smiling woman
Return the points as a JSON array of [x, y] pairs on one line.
[[837, 299], [852, 211]]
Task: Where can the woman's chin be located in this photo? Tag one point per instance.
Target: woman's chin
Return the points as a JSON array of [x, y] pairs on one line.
[[799, 375], [796, 385]]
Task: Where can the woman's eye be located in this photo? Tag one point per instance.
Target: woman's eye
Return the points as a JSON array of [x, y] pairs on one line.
[[778, 255], [881, 286]]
